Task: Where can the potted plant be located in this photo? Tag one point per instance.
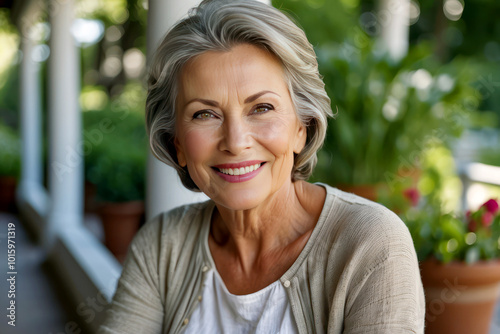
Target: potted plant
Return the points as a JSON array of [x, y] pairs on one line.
[[10, 157], [386, 113], [116, 166], [459, 261]]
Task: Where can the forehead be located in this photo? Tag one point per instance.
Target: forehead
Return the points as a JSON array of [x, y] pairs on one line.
[[242, 70]]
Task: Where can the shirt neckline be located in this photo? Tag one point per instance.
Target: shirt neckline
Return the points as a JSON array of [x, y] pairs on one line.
[[325, 212], [249, 297]]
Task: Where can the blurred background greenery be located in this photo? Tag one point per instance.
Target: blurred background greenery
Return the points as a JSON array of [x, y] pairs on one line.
[[392, 116]]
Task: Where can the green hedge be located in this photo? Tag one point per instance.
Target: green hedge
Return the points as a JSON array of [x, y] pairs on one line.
[[116, 154], [10, 152]]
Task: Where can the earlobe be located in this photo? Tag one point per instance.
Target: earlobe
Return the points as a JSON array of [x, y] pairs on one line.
[[181, 159], [300, 141]]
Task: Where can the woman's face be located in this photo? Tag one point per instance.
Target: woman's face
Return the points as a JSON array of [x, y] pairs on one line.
[[236, 128]]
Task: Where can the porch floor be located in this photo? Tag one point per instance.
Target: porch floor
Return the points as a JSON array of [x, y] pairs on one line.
[[41, 306]]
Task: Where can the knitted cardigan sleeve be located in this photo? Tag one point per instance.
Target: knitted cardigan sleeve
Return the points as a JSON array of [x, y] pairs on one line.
[[387, 295], [137, 305]]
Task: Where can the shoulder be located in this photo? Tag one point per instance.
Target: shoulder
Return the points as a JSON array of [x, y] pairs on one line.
[[172, 228], [366, 262], [357, 225]]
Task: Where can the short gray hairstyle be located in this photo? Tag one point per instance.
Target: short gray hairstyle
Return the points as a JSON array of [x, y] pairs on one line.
[[219, 25]]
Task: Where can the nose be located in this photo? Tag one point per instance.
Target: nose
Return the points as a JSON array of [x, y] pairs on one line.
[[236, 136]]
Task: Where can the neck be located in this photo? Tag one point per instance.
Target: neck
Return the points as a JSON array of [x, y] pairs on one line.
[[267, 230]]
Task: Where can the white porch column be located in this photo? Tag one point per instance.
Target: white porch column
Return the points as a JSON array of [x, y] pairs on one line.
[[65, 146], [394, 18], [164, 189], [30, 119]]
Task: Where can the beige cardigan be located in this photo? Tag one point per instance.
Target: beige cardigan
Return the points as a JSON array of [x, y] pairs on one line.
[[358, 272]]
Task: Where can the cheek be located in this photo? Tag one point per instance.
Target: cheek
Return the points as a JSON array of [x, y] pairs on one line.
[[277, 136], [198, 145]]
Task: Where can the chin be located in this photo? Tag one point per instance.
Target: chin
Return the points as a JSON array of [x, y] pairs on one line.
[[240, 199]]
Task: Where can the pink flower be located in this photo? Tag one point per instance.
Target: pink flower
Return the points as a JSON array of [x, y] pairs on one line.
[[491, 206], [412, 195], [487, 219]]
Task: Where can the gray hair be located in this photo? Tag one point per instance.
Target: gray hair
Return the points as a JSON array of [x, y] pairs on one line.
[[219, 25]]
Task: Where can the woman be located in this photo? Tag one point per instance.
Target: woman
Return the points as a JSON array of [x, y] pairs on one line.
[[237, 106]]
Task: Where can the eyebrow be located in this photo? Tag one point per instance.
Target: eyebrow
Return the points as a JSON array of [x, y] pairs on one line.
[[249, 99], [254, 97]]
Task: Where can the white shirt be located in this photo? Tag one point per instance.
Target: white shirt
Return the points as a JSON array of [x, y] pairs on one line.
[[265, 311]]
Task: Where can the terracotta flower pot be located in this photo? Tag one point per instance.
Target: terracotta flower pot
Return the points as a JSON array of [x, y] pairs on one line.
[[121, 222], [460, 298], [90, 193], [8, 193]]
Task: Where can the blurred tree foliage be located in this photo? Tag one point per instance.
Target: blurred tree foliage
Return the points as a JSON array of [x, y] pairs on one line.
[[324, 21], [125, 29], [9, 79], [385, 118], [476, 34]]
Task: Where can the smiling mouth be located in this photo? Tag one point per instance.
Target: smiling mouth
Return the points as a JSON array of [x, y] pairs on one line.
[[239, 171]]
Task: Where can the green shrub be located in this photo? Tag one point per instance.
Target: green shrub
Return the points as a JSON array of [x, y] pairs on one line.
[[10, 152], [117, 153], [388, 111]]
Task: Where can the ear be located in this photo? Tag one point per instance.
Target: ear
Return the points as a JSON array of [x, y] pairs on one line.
[[181, 158], [300, 139]]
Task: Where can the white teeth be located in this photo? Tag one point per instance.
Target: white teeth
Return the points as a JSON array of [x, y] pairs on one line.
[[239, 171]]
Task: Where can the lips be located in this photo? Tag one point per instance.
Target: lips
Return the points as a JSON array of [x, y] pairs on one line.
[[240, 168], [239, 164], [239, 172]]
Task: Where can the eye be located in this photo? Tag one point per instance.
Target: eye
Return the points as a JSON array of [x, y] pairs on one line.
[[203, 114], [263, 108]]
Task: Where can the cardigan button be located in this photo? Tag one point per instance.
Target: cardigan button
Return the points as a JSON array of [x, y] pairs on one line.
[[204, 269], [185, 322], [199, 298], [286, 283]]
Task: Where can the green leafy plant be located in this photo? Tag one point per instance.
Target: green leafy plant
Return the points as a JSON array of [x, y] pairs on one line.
[[10, 152], [483, 232], [387, 110], [116, 161], [448, 237]]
